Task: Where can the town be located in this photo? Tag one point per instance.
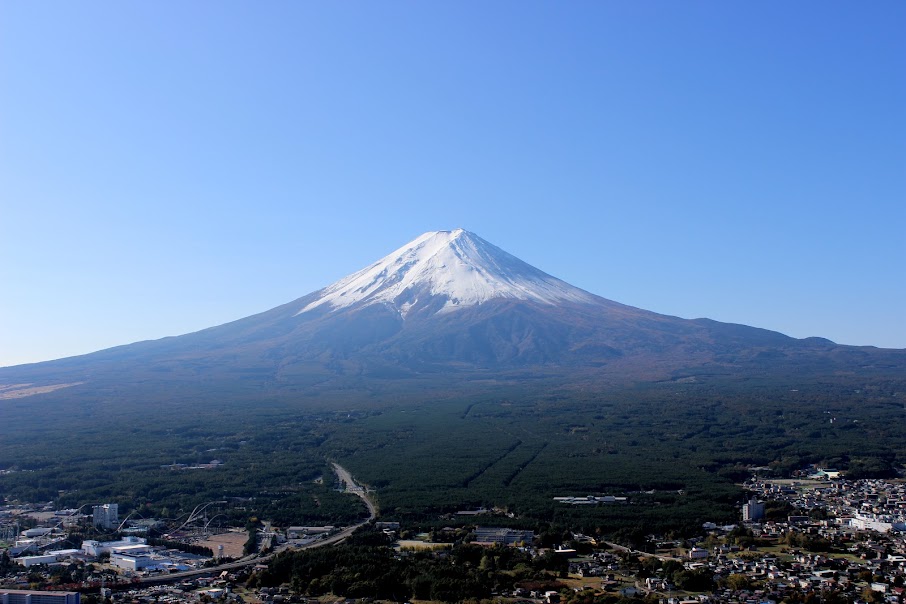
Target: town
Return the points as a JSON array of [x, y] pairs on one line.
[[810, 539]]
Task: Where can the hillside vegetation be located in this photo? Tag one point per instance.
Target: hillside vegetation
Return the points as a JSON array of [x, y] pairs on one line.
[[675, 450]]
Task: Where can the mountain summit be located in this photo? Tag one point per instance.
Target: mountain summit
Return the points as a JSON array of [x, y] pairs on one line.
[[442, 271], [447, 309]]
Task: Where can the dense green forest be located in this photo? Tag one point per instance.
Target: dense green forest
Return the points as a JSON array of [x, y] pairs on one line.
[[675, 450]]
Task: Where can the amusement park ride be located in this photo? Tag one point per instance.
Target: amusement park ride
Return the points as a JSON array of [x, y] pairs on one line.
[[196, 523]]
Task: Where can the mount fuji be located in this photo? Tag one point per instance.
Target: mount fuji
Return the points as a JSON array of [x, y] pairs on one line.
[[445, 270], [448, 307]]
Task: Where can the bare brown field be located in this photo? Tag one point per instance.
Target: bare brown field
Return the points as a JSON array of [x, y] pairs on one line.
[[232, 543]]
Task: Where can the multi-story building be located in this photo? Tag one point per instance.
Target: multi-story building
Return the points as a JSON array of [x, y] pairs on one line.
[[752, 511], [106, 516]]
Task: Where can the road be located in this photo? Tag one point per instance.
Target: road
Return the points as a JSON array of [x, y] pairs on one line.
[[621, 548], [351, 487]]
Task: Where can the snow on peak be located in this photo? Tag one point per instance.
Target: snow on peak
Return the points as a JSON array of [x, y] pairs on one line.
[[457, 266]]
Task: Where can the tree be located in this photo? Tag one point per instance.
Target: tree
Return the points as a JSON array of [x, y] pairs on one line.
[[251, 546], [694, 580], [737, 582]]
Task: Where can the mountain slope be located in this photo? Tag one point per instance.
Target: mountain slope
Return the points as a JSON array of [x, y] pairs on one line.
[[446, 306]]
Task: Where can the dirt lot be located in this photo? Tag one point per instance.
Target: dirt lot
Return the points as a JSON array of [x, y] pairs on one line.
[[413, 544], [10, 391], [232, 543]]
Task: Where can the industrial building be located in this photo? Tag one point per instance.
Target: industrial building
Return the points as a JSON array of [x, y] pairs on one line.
[[50, 557], [877, 522], [96, 548], [22, 596], [131, 561], [299, 532], [503, 536]]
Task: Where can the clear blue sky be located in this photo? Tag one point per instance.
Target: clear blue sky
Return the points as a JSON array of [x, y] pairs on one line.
[[165, 167]]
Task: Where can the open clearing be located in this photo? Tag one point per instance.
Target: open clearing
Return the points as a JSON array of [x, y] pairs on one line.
[[232, 543], [11, 391]]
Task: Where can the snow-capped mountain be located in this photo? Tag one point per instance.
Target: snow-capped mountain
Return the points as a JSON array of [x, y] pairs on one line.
[[442, 271], [448, 308]]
